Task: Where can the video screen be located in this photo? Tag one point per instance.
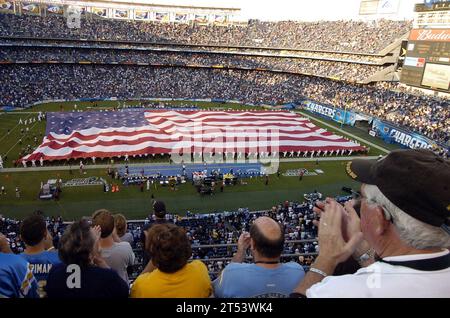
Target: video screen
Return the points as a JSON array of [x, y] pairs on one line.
[[436, 75]]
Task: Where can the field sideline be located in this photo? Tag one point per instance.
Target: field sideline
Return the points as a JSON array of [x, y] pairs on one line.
[[82, 201]]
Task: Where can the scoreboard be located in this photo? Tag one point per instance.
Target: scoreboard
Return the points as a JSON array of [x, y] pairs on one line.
[[427, 60]]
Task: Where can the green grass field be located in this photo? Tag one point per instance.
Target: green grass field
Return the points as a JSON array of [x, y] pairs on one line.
[[82, 201]]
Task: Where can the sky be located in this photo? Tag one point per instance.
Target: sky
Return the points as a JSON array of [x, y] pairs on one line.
[[308, 10]]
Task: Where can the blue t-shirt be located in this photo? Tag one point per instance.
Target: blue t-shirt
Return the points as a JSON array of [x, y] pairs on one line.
[[16, 277], [41, 264], [240, 280], [94, 282]]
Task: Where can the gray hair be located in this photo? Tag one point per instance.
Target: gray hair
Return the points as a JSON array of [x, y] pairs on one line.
[[411, 231]]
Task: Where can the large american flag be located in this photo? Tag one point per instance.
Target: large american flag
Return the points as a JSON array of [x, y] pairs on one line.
[[109, 134]]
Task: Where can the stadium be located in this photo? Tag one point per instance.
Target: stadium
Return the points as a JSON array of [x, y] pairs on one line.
[[185, 149]]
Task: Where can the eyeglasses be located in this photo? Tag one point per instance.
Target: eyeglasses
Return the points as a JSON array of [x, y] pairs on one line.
[[358, 197]]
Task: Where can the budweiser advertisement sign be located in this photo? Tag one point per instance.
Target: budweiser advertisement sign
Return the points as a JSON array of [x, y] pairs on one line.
[[436, 35]]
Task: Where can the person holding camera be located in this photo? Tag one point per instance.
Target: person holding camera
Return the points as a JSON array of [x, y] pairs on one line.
[[267, 276], [401, 237]]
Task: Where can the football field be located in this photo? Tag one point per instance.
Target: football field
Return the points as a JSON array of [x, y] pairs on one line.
[[83, 201]]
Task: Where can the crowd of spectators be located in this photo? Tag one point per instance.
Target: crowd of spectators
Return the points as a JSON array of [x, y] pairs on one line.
[[11, 229], [344, 36], [355, 238], [234, 80], [25, 84], [317, 67], [184, 249], [364, 58], [213, 237]]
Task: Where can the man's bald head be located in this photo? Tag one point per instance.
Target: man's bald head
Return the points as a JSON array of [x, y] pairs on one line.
[[268, 227], [268, 237]]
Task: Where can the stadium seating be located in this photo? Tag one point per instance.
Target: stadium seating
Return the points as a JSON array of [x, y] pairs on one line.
[[218, 67], [343, 36], [25, 84], [213, 236]]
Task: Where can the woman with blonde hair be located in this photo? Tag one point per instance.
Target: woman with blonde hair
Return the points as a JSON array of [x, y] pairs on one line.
[[120, 224]]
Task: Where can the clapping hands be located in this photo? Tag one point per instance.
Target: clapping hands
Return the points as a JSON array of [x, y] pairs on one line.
[[339, 230]]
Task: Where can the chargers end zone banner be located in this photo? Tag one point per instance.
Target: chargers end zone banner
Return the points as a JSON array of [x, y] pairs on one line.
[[392, 134], [337, 114]]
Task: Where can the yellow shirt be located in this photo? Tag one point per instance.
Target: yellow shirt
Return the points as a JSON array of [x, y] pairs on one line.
[[192, 281]]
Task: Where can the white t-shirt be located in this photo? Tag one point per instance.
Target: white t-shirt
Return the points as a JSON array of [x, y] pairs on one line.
[[382, 280], [119, 257]]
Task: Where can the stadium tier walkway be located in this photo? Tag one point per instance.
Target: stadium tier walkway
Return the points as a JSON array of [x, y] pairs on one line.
[[146, 164]]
